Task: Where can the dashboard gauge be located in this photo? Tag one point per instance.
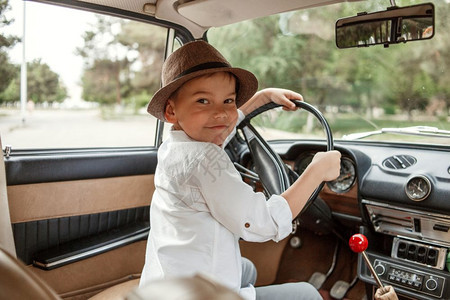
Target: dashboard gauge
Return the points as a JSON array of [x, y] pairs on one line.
[[346, 179], [418, 188]]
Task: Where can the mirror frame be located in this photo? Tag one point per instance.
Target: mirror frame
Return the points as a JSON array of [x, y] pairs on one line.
[[394, 14]]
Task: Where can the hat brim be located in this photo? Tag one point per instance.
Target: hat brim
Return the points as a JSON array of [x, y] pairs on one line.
[[248, 85]]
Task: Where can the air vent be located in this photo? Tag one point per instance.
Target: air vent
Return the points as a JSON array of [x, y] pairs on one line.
[[399, 161]]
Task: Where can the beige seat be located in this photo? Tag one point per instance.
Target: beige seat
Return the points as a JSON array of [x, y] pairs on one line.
[[118, 291], [17, 282], [197, 287]]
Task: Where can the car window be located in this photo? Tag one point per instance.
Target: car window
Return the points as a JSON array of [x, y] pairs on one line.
[[89, 78], [359, 90]]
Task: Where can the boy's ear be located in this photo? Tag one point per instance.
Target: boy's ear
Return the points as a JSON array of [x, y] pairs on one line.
[[169, 112]]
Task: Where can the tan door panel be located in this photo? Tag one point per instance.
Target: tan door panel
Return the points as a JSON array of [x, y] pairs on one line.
[[87, 277], [39, 201]]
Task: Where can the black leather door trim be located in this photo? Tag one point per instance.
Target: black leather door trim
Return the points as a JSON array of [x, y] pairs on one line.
[[35, 236]]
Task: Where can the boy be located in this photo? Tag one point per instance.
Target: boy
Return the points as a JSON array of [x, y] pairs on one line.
[[201, 206]]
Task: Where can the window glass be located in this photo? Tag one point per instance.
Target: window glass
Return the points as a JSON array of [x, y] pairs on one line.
[[167, 125], [89, 79], [372, 93]]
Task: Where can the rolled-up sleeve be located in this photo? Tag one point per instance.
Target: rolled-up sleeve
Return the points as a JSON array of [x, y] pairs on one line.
[[235, 205]]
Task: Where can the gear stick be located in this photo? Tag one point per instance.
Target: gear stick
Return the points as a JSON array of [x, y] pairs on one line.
[[358, 243]]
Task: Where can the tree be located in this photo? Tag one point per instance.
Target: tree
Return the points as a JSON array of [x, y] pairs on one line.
[[44, 84], [296, 50], [122, 59], [438, 58], [102, 82], [148, 44], [6, 68], [105, 61]]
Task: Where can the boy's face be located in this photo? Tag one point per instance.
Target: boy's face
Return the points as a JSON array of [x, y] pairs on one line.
[[205, 107]]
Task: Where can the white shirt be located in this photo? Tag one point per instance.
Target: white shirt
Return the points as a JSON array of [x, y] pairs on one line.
[[200, 209]]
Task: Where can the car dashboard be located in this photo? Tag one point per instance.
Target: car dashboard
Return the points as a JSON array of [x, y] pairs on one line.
[[398, 196]]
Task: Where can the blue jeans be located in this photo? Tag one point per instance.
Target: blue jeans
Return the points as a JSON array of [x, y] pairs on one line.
[[286, 291]]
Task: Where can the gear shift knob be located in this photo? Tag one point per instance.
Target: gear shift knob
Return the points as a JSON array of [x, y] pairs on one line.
[[358, 243]]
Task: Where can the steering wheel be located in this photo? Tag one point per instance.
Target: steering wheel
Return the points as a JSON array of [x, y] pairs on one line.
[[270, 169]]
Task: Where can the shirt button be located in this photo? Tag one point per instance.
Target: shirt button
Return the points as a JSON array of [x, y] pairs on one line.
[[247, 225]]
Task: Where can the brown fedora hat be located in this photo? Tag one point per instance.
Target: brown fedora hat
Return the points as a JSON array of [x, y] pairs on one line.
[[192, 60]]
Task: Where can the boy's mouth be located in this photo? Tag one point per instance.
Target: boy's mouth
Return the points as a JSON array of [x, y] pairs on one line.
[[218, 127]]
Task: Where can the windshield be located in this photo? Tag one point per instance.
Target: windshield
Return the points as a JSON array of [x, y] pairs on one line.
[[357, 89]]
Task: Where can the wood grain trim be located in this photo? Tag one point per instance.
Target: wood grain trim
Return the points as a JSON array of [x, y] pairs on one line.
[[346, 203], [40, 201]]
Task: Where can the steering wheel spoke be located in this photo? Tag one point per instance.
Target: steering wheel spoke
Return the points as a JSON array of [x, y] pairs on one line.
[[247, 173], [269, 166]]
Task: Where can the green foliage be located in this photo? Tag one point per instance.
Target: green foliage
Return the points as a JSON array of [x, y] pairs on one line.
[[101, 82], [123, 60], [7, 70], [296, 50], [11, 93], [138, 101], [44, 84]]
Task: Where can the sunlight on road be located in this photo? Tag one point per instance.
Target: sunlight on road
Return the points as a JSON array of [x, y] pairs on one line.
[[49, 128], [74, 128]]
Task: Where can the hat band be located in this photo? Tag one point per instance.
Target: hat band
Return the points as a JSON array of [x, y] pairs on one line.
[[205, 66]]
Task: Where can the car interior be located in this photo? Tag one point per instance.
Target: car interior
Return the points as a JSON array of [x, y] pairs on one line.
[[74, 221]]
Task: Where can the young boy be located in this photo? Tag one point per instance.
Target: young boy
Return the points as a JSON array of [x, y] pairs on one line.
[[201, 207]]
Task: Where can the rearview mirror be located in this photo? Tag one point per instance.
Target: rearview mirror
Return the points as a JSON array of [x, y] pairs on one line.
[[392, 26]]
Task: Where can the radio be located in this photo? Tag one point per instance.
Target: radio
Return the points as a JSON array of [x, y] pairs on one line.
[[410, 279]]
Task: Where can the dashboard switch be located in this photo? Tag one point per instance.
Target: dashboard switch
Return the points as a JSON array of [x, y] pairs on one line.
[[442, 228], [417, 225]]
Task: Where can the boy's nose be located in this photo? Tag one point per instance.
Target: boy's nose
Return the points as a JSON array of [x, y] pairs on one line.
[[220, 113]]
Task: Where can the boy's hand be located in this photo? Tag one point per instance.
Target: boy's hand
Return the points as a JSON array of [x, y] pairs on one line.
[[283, 97], [327, 164], [278, 96], [386, 293]]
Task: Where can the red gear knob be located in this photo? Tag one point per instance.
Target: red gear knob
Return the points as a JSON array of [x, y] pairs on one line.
[[358, 243]]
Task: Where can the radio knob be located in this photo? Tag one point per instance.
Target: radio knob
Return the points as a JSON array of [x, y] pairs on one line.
[[380, 269], [431, 284]]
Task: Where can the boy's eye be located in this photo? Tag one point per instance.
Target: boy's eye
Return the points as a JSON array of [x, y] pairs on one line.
[[203, 101], [229, 101]]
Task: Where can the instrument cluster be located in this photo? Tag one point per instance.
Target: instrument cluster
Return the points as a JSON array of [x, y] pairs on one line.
[[340, 185]]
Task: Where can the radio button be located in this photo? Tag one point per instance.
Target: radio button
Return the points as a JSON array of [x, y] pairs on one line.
[[417, 285], [431, 284], [380, 269]]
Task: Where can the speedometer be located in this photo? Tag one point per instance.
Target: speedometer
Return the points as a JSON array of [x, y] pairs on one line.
[[346, 179]]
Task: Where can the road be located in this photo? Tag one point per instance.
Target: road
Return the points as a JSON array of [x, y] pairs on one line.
[[58, 128], [74, 128]]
